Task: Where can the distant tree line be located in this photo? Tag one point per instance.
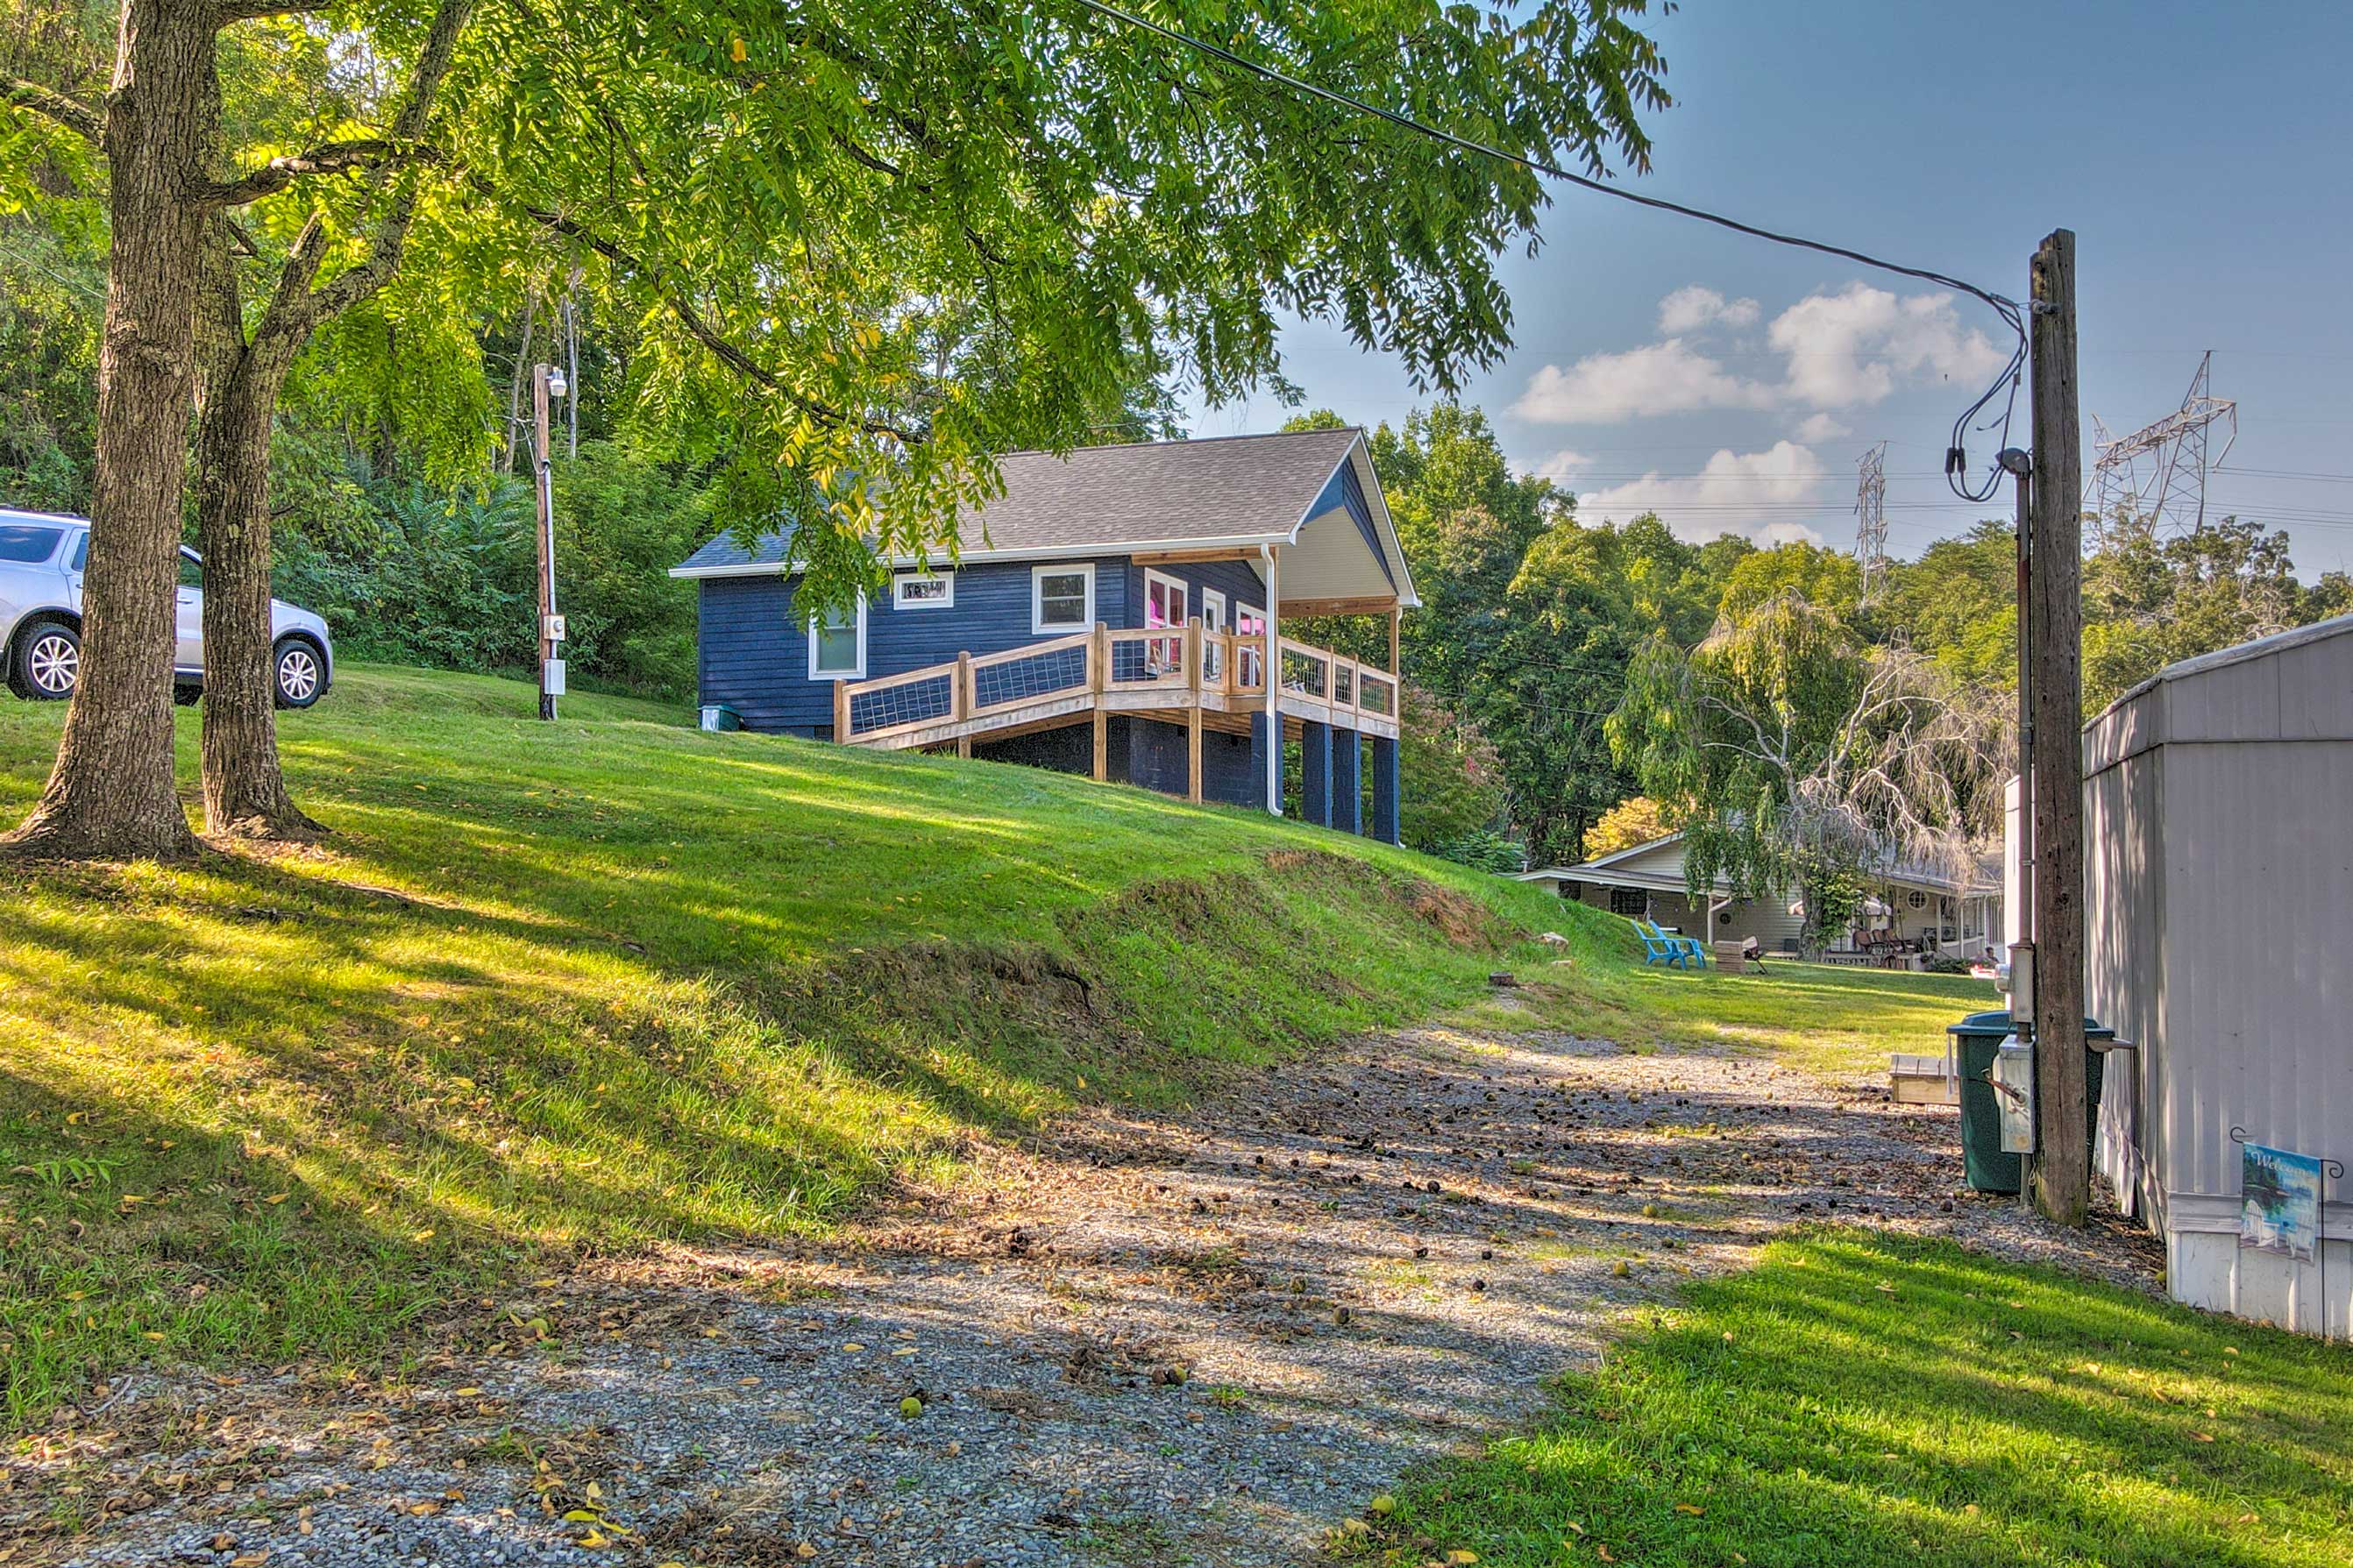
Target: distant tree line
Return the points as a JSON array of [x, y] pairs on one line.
[[1543, 636]]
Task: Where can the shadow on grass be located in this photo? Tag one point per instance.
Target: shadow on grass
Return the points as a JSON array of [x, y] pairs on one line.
[[1865, 1399], [591, 985]]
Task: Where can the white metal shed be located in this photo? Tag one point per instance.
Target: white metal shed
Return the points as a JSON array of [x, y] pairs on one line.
[[2218, 801]]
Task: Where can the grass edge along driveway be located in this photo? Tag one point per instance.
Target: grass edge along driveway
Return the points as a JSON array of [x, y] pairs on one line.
[[1861, 1398]]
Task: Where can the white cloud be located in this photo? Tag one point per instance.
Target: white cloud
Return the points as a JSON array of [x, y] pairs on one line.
[[1851, 349], [1608, 389], [1735, 492], [1690, 308], [1819, 428], [1562, 464]]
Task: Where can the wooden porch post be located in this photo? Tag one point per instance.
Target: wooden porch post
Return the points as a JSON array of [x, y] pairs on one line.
[[960, 701], [1396, 672], [1193, 710], [1273, 682], [1098, 677], [840, 710]]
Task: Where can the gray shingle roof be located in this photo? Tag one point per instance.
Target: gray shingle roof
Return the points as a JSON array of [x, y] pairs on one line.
[[1162, 493]]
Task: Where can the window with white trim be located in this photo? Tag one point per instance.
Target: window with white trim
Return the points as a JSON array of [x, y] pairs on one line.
[[923, 590], [1165, 601], [1213, 647], [1250, 655], [1061, 598], [837, 646]]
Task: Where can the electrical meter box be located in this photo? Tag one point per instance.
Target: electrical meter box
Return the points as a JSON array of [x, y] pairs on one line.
[[2013, 1094]]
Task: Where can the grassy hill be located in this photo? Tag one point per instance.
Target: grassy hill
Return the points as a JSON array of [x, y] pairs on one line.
[[592, 984], [556, 988]]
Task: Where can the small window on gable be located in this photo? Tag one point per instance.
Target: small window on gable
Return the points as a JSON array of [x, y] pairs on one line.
[[1061, 598], [837, 646], [923, 590], [1917, 898]]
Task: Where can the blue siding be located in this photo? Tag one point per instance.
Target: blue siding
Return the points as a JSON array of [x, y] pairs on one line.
[[1315, 773], [753, 653], [1347, 781], [1153, 755], [1343, 490]]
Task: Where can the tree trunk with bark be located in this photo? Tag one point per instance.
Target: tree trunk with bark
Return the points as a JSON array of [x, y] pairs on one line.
[[244, 786], [111, 794], [244, 783]]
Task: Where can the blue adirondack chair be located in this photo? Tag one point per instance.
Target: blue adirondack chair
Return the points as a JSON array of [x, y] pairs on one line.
[[1675, 951]]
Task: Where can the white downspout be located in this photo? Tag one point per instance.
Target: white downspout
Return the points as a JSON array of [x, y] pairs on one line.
[[1273, 681]]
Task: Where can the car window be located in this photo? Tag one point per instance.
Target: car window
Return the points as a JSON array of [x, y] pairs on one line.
[[81, 551], [28, 544], [192, 572]]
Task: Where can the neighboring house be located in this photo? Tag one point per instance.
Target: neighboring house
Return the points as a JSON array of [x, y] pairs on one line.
[[1114, 611], [1909, 903], [2218, 887]]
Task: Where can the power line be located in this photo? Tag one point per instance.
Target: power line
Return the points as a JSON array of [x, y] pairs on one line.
[[2009, 310]]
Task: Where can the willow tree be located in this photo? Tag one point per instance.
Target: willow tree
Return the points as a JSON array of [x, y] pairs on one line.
[[869, 245], [1793, 756]]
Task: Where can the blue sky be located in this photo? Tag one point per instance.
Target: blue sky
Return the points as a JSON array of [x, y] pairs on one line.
[[2200, 152]]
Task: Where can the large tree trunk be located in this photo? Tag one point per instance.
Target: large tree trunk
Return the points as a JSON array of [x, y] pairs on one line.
[[110, 795], [244, 790]]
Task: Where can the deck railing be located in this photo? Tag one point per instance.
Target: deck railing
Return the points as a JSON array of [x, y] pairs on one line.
[[1186, 662]]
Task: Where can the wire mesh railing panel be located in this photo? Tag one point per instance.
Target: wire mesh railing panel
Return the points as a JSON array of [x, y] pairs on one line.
[[1303, 674], [1380, 694], [1035, 675], [1143, 661], [1344, 684], [1250, 664], [902, 702]]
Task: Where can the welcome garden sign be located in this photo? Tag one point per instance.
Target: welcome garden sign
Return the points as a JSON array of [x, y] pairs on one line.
[[2279, 1210]]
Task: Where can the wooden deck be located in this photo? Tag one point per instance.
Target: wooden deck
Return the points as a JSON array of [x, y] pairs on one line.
[[1185, 675]]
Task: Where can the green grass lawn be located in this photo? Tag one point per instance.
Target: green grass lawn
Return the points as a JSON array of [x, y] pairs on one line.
[[1868, 1400], [590, 985], [1837, 1020]]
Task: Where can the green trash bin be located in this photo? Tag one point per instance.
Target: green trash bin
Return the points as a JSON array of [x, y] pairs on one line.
[[1975, 1040]]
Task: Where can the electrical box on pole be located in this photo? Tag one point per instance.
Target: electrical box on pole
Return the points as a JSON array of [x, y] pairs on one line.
[[2051, 619]]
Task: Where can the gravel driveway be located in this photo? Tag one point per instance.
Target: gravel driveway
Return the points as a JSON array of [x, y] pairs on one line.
[[1203, 1338]]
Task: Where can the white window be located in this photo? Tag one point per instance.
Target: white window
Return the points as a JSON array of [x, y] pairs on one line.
[[1250, 657], [924, 591], [1165, 602], [1061, 598], [1213, 620], [837, 647]]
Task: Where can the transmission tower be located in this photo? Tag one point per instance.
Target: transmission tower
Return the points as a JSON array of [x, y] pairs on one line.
[[1870, 509], [2160, 469]]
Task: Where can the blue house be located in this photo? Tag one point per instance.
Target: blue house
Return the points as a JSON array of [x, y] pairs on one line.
[[1117, 611]]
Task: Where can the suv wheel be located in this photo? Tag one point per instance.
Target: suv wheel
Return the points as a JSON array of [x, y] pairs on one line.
[[47, 662], [300, 673]]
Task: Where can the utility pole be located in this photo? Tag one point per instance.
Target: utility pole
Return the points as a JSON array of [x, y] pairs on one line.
[[546, 381], [2051, 619]]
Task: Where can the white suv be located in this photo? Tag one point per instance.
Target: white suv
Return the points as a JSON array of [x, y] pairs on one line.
[[41, 561]]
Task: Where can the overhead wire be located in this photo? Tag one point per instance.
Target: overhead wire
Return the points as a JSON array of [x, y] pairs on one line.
[[2010, 312]]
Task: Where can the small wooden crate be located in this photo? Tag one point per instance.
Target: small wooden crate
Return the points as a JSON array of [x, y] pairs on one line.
[[1731, 957], [1923, 1081]]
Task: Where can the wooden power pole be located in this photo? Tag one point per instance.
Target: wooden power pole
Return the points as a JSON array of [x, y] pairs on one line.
[[2053, 629], [551, 629]]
